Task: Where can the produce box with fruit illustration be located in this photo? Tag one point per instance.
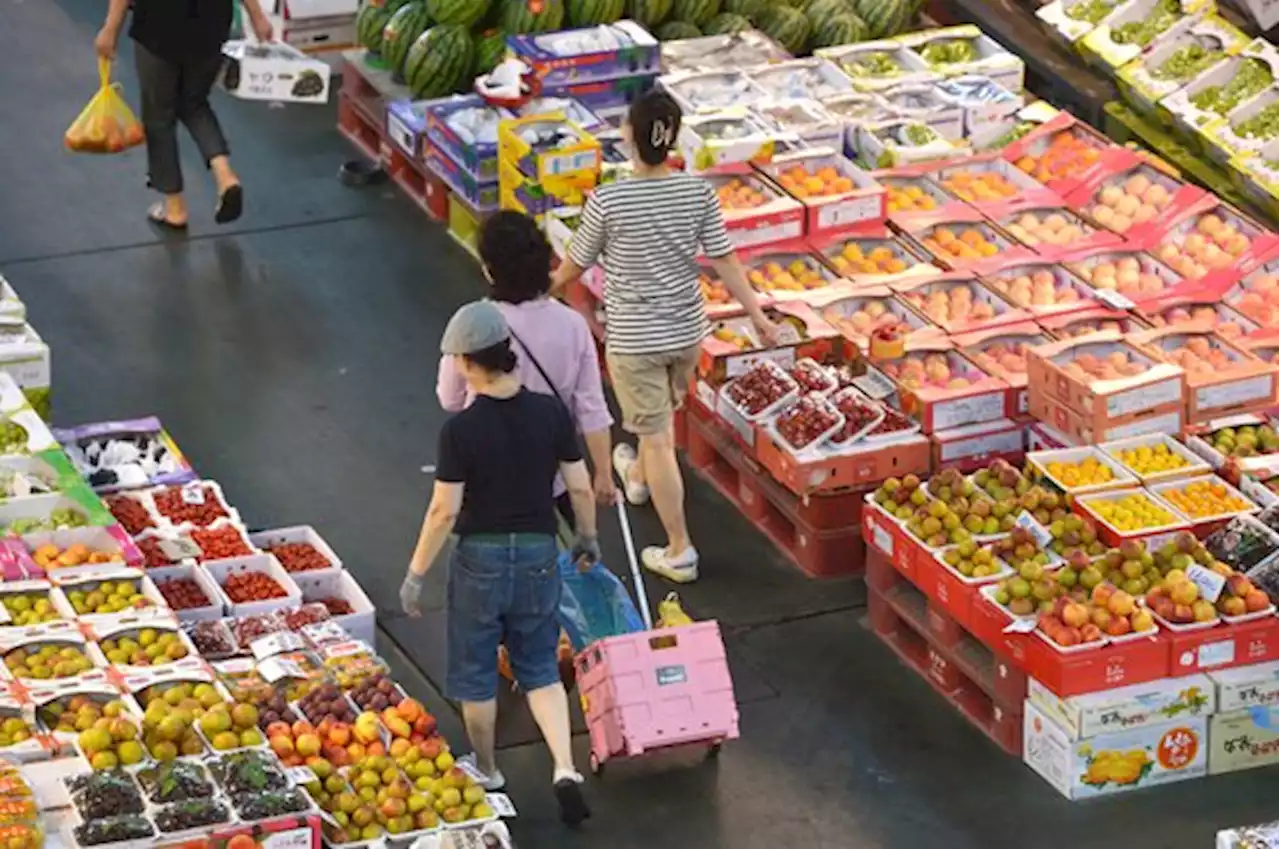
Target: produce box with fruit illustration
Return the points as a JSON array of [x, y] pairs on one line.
[[1221, 379], [877, 65], [732, 137], [1072, 20], [550, 150], [961, 50], [1217, 91], [24, 356], [896, 141], [1136, 26], [1104, 378], [1244, 739], [1059, 153], [1177, 60], [941, 389], [732, 348], [1002, 352], [836, 194], [276, 72], [755, 211], [1116, 761], [1125, 708], [1248, 129], [1247, 687], [1126, 195], [579, 55]]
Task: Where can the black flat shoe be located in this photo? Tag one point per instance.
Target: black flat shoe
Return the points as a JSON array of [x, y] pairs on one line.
[[156, 216], [573, 807], [230, 205]]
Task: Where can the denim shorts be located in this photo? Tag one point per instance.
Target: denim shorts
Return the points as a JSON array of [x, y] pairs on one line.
[[502, 589]]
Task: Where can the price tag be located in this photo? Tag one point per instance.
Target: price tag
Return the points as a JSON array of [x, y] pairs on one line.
[[193, 493], [404, 138], [882, 539], [874, 385], [1236, 392], [235, 667], [1020, 626], [301, 774], [1144, 398], [274, 669], [501, 804], [277, 643], [324, 633], [179, 549], [1209, 582], [469, 767], [351, 649], [1113, 299], [294, 838], [1028, 522]]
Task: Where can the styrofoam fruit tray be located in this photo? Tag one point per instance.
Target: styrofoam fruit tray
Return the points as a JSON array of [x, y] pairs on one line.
[[988, 593], [218, 601], [204, 487], [1195, 464], [1076, 649], [221, 570], [265, 540], [1121, 476], [1172, 485], [1269, 610]]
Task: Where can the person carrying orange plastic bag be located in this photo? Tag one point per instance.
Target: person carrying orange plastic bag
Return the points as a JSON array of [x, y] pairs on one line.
[[107, 124], [177, 48]]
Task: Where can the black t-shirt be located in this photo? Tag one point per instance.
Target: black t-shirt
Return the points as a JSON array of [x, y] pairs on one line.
[[506, 452], [179, 30]]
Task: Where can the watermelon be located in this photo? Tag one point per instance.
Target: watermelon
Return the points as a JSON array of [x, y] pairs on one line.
[[789, 27], [676, 30], [726, 22], [464, 12], [649, 13], [409, 22], [842, 28], [696, 12], [370, 20], [491, 47], [517, 17], [440, 61], [885, 17], [749, 9], [590, 13], [818, 11]]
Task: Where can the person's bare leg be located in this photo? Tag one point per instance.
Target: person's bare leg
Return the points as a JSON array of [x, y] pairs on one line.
[[223, 176], [637, 475], [175, 209], [550, 708], [666, 486], [481, 719]]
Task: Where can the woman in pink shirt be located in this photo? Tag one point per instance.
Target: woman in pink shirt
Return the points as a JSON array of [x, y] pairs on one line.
[[554, 347]]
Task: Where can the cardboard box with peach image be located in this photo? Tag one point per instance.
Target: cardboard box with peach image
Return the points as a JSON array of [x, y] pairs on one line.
[[1203, 312], [965, 241], [1002, 352], [733, 346], [1092, 320], [958, 302], [1128, 195], [1058, 154], [1103, 378], [941, 389], [756, 212], [1211, 236], [991, 180], [1041, 287], [873, 256], [872, 313], [1221, 379], [1050, 231], [836, 194]]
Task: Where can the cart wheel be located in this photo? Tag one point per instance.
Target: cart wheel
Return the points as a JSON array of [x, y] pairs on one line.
[[713, 751], [597, 768]]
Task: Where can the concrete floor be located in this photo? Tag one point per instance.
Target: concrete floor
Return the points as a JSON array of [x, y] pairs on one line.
[[293, 356]]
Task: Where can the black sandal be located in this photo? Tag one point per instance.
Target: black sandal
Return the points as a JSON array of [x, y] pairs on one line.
[[230, 205], [156, 216]]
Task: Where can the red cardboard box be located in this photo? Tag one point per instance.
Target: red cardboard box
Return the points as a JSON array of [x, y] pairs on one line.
[[989, 180], [789, 270], [1129, 196], [1221, 379], [1202, 312], [910, 193], [974, 446], [1255, 294], [732, 347], [1079, 429], [1002, 352], [1086, 322], [941, 389], [1050, 231], [958, 302], [859, 313], [1058, 154], [861, 202], [873, 257], [1041, 287], [1210, 236], [965, 241], [1128, 271], [755, 211]]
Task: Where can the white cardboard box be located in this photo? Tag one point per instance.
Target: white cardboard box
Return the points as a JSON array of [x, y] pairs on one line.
[[1243, 739], [1247, 686], [1125, 708], [316, 25], [1116, 762], [274, 72]]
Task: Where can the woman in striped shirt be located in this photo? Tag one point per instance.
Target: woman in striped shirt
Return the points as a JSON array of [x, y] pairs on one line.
[[648, 232]]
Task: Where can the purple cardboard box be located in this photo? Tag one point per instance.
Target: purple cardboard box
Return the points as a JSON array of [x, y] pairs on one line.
[[148, 426], [561, 58], [482, 196], [605, 95], [480, 160]]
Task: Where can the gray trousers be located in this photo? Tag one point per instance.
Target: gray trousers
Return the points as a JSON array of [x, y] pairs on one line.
[[173, 92]]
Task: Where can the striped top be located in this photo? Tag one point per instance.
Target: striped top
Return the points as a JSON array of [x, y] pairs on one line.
[[647, 232]]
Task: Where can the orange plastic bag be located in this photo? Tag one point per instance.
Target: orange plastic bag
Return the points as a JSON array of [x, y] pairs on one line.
[[107, 124]]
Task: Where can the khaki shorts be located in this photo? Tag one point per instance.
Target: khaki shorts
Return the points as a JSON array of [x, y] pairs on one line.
[[651, 387]]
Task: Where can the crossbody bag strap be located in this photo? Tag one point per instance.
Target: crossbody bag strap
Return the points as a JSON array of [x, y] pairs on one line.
[[546, 377]]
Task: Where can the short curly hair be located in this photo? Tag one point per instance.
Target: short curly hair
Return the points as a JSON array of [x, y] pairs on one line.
[[517, 256]]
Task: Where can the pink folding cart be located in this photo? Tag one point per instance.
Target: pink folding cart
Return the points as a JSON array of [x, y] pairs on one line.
[[656, 688]]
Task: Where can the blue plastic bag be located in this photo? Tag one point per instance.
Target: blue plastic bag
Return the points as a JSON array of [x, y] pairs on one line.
[[594, 604]]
